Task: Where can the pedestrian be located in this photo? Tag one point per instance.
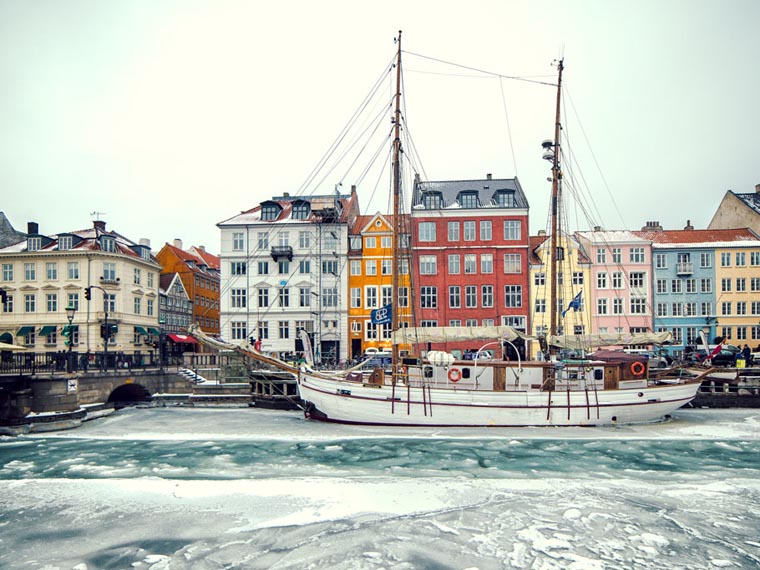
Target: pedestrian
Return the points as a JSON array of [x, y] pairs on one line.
[[746, 354]]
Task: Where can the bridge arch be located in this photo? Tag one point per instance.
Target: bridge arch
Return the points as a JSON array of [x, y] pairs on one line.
[[129, 394]]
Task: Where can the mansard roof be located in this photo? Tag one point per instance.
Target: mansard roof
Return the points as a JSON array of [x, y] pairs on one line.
[[486, 189]]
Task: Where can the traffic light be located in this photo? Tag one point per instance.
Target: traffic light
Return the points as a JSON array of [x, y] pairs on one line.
[[103, 331], [112, 330], [88, 293], [66, 330]]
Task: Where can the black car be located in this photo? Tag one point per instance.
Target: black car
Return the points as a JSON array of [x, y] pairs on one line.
[[726, 357]]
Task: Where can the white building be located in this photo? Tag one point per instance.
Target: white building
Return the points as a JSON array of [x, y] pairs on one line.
[[284, 268]]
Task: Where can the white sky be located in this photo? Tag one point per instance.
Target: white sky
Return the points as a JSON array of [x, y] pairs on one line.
[[173, 115]]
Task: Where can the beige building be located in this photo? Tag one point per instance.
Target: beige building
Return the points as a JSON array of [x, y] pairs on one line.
[[738, 210], [42, 275]]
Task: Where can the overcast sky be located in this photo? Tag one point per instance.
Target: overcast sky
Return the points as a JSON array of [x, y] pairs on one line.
[[172, 115]]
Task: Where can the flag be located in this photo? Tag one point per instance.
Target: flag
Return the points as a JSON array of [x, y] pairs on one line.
[[575, 304], [382, 316]]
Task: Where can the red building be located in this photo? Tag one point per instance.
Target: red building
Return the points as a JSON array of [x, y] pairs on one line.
[[470, 255]]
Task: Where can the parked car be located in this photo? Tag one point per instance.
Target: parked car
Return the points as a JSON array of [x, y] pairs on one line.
[[656, 359], [726, 356]]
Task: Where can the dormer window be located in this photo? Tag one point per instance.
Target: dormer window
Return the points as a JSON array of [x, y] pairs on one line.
[[269, 212], [468, 199], [432, 200], [34, 243], [65, 242], [505, 199], [145, 254], [107, 243], [301, 210]]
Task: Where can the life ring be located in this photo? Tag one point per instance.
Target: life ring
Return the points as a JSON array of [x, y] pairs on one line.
[[455, 375], [637, 368]]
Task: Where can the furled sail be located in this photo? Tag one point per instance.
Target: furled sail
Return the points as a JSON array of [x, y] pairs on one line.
[[609, 339], [411, 335]]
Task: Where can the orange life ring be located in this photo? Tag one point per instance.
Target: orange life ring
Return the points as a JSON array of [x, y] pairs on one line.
[[455, 375], [637, 368]]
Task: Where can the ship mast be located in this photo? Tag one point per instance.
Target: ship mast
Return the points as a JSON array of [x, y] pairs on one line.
[[395, 321], [554, 251]]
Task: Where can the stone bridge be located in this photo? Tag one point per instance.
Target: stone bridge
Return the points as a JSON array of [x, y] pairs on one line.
[[61, 397]]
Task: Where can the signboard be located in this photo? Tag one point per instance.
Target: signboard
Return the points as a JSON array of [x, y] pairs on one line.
[[72, 384], [382, 316]]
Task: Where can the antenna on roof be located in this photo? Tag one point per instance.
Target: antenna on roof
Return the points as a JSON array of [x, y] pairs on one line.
[[96, 215]]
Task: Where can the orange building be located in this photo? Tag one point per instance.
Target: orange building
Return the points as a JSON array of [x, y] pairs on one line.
[[200, 273], [370, 283]]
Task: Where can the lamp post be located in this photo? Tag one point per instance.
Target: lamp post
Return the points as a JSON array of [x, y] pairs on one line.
[[70, 311]]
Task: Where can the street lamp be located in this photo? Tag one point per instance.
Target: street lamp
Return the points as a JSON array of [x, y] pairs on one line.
[[70, 311]]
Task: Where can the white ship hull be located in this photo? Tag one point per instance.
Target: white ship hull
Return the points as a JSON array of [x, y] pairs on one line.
[[361, 403]]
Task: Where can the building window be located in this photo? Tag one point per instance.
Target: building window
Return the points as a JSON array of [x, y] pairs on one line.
[[263, 267], [7, 272], [540, 306], [428, 265], [387, 295], [617, 255], [51, 270], [263, 297], [30, 303], [109, 271], [138, 305], [617, 306], [725, 259], [601, 306], [637, 279], [455, 297], [52, 302], [741, 284], [725, 284], [304, 297], [238, 330], [356, 267], [330, 297], [741, 259], [512, 263], [108, 244], [505, 199], [454, 268], [577, 278], [370, 296], [283, 297], [471, 296], [601, 256], [30, 272], [513, 295], [269, 212], [356, 298], [150, 305], [660, 261], [427, 231], [486, 296], [453, 231], [403, 296], [432, 200], [238, 298], [468, 199], [601, 280], [300, 212], [470, 264], [539, 279], [429, 297], [636, 255], [469, 231], [284, 327], [237, 268], [486, 263], [725, 307], [486, 232], [65, 242]]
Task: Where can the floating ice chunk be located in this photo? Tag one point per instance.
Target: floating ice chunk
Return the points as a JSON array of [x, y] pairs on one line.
[[572, 514], [719, 563]]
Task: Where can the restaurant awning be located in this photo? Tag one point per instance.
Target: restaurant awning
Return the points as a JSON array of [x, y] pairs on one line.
[[154, 331], [25, 330], [47, 329], [141, 330], [183, 338]]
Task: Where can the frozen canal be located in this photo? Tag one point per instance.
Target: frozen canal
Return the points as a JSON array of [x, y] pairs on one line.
[[175, 488]]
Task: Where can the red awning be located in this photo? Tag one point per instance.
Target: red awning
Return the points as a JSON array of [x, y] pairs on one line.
[[182, 338]]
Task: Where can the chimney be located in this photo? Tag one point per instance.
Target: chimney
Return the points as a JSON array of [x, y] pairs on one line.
[[597, 228], [145, 242], [541, 233], [32, 228], [286, 194], [652, 227], [489, 176], [202, 248], [688, 225], [757, 188], [178, 243], [99, 225]]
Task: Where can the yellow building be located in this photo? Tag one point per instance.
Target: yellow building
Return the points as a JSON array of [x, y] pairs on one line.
[[370, 284], [737, 289], [573, 277]]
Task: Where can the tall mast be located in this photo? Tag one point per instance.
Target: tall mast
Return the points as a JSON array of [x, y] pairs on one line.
[[553, 237], [396, 210]]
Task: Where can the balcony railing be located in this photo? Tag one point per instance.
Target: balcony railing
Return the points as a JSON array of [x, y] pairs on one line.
[[685, 268], [279, 251]]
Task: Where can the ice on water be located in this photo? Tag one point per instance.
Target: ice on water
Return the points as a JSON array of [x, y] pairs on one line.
[[179, 488]]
